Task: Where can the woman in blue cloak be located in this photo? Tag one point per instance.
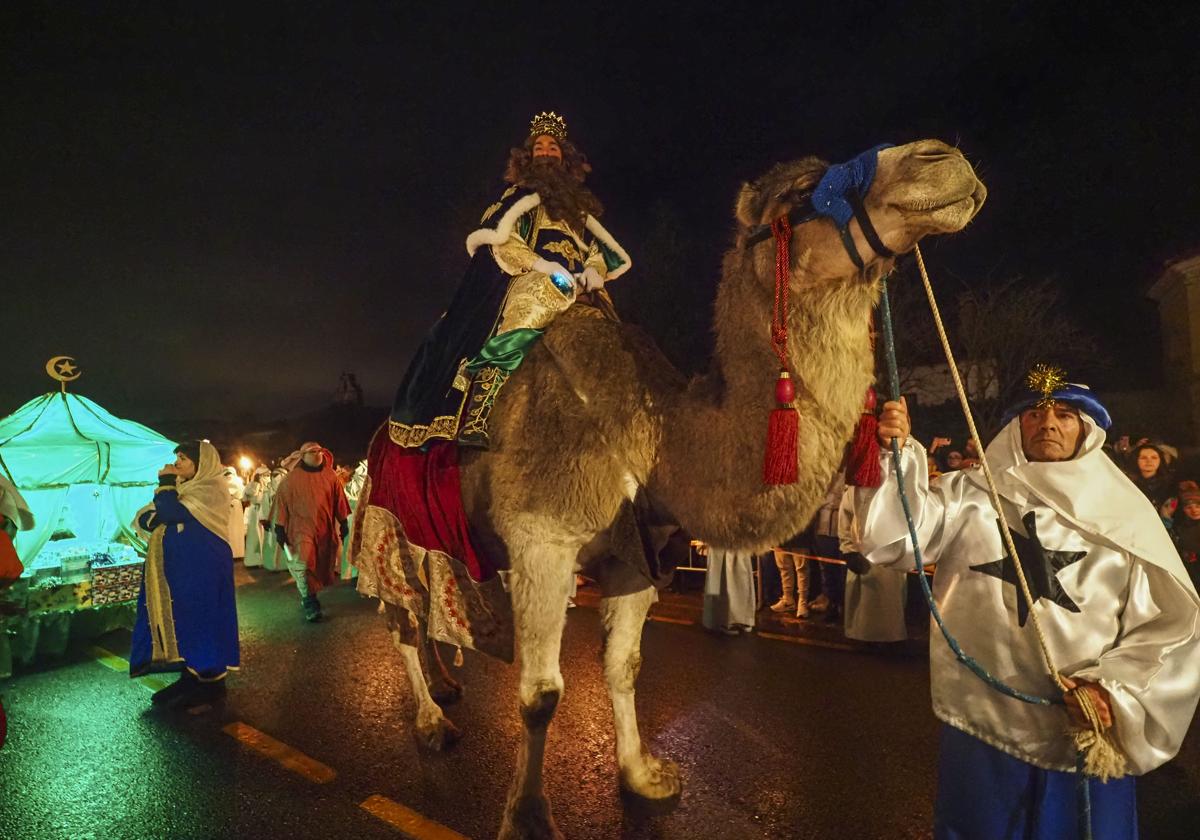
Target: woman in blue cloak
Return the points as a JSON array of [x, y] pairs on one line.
[[186, 613]]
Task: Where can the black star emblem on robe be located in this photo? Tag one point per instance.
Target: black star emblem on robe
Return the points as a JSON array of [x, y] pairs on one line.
[[1040, 564]]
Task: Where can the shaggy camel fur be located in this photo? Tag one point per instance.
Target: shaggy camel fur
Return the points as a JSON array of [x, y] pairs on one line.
[[596, 414]]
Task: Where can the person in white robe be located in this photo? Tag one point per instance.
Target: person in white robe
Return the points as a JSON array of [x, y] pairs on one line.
[[1120, 617], [729, 595], [353, 488], [274, 559], [875, 596], [257, 501], [237, 513]]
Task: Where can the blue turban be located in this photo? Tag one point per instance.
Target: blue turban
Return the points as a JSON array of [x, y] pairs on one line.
[[829, 198], [1076, 396]]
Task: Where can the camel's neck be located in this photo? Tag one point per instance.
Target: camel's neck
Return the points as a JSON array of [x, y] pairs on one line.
[[710, 475]]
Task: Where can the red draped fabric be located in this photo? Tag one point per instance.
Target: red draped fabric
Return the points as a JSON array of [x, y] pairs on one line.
[[423, 490]]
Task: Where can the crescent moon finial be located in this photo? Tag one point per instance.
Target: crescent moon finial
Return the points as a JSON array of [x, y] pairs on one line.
[[63, 369]]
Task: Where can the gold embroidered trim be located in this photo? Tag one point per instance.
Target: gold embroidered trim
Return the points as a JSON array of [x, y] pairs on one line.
[[164, 645], [461, 380], [444, 427], [416, 434], [487, 385], [491, 211], [568, 251]]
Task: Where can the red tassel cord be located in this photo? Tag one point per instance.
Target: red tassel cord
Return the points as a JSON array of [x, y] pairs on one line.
[[781, 460], [862, 463]]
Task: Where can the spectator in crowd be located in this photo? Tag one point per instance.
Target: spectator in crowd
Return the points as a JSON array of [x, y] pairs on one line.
[[825, 544], [793, 576], [932, 464], [1151, 473], [728, 591], [1185, 529], [970, 455]]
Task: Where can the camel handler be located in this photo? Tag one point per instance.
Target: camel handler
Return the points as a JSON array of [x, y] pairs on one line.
[[1117, 609], [545, 251], [310, 512]]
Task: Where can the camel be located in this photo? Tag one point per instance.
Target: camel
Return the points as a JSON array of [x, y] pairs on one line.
[[596, 415]]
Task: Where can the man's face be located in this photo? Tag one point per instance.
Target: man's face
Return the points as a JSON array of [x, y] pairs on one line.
[[546, 146], [1051, 433], [313, 456]]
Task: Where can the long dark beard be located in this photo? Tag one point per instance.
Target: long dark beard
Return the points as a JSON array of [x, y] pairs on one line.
[[564, 197]]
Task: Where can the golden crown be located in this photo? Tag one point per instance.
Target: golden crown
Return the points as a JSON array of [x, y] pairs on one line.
[[1046, 379], [550, 123]]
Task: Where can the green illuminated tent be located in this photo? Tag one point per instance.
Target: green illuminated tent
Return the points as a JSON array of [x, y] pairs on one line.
[[84, 472]]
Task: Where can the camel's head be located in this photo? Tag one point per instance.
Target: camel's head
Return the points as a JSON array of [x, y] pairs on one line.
[[918, 189]]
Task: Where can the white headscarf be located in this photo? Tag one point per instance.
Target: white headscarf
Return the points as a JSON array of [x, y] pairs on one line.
[[1089, 491], [206, 494]]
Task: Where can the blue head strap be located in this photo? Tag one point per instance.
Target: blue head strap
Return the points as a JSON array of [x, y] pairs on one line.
[[832, 197], [838, 196]]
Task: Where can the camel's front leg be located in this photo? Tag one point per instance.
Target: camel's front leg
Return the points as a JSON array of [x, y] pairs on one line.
[[641, 773], [540, 586], [434, 729]]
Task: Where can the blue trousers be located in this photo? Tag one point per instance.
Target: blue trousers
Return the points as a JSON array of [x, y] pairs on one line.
[[986, 794]]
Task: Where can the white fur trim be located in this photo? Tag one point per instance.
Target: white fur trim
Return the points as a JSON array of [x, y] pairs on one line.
[[503, 229], [604, 236]]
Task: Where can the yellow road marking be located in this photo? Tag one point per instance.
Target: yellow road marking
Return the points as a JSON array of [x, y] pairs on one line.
[[671, 620], [797, 640], [115, 663], [407, 820], [280, 752]]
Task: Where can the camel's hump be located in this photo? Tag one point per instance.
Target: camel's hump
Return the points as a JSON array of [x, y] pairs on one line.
[[612, 355]]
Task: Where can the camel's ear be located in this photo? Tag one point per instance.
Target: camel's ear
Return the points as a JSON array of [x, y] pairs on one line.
[[749, 205]]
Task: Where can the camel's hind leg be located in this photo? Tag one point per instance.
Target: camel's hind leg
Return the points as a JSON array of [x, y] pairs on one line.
[[540, 584], [641, 773], [433, 729]]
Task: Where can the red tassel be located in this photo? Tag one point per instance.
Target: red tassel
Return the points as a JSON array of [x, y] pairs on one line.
[[862, 464], [781, 464]]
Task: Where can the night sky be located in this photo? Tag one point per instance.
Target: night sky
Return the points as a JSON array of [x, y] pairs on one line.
[[218, 212]]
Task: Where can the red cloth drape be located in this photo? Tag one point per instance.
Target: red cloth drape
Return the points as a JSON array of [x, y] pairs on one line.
[[423, 490]]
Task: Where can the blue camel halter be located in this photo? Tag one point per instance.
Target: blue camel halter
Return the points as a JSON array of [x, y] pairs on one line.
[[838, 197]]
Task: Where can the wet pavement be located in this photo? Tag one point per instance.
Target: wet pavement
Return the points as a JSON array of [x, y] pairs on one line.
[[784, 736]]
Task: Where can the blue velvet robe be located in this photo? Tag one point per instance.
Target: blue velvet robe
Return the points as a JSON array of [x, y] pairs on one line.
[[198, 565]]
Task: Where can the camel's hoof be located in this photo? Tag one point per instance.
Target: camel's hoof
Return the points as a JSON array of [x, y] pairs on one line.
[[655, 787], [440, 736], [529, 818], [446, 692]]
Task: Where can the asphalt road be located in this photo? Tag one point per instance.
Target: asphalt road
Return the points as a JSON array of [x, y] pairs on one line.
[[776, 739]]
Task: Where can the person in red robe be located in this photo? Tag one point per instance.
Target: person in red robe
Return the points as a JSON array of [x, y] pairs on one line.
[[310, 512]]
